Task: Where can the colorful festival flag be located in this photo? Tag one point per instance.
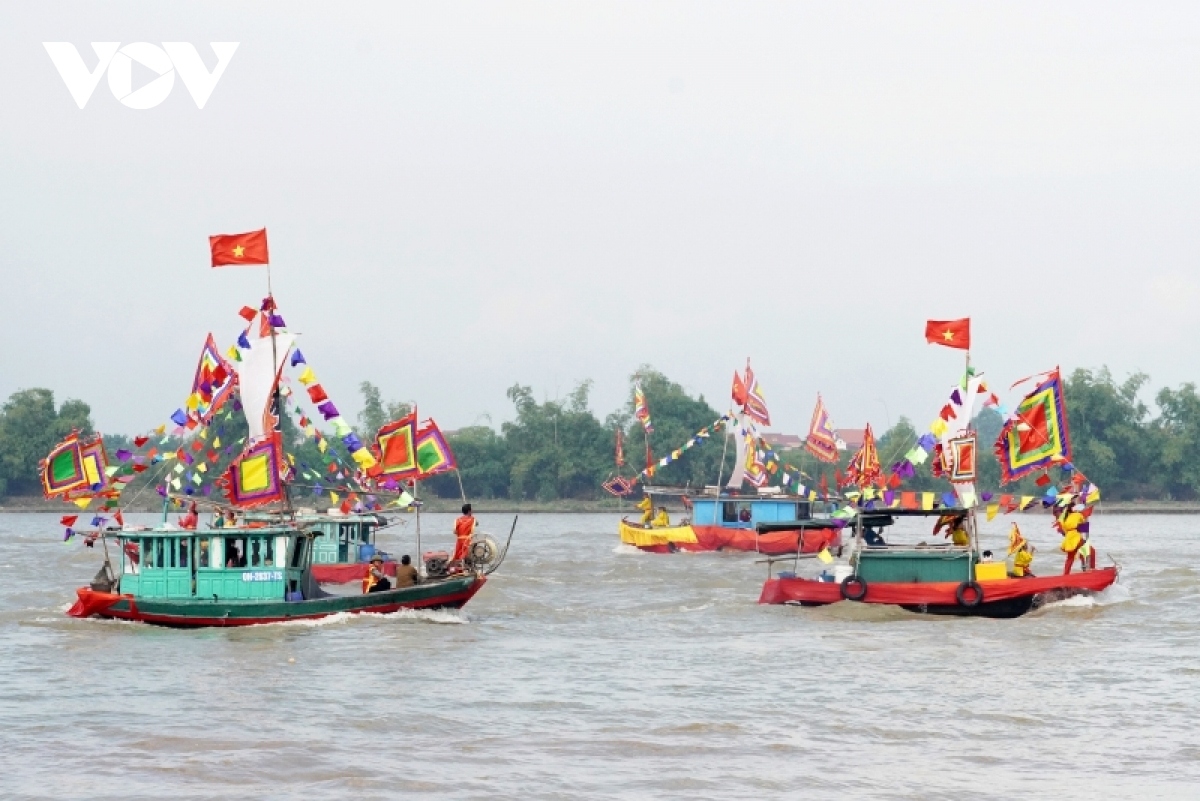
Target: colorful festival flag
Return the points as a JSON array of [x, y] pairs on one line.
[[821, 441], [75, 468], [255, 477], [640, 409], [755, 406], [1036, 435], [433, 452], [62, 469], [962, 459], [949, 333], [864, 469], [620, 454], [235, 249], [212, 384], [395, 449]]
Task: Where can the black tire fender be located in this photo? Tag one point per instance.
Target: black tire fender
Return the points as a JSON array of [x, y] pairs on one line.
[[854, 588], [969, 594]]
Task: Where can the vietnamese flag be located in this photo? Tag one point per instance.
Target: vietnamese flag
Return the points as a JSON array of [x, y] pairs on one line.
[[951, 333], [248, 248], [740, 394]]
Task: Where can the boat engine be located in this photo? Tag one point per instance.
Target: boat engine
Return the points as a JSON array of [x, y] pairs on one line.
[[437, 564]]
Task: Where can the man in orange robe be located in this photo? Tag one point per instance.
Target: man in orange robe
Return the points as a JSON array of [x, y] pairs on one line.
[[464, 527]]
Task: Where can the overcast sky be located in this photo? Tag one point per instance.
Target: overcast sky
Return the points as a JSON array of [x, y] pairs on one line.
[[462, 196]]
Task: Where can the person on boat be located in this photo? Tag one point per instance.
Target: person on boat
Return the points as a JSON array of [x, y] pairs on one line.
[[872, 537], [956, 529], [406, 574], [1021, 552], [218, 519], [662, 519], [375, 580], [191, 519], [647, 507], [464, 528], [1022, 561], [1072, 526]]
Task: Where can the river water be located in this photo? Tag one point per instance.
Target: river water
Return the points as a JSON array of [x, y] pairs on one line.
[[586, 669]]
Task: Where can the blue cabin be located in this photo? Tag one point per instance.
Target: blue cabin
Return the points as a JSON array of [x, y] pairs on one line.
[[737, 511]]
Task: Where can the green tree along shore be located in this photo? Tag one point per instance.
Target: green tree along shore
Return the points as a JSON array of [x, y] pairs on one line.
[[559, 449]]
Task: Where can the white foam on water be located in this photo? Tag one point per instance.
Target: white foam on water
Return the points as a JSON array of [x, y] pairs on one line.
[[625, 549]]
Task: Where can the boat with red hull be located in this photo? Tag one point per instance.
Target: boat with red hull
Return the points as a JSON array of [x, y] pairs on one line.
[[186, 578], [929, 579], [769, 524], [450, 593], [1009, 597]]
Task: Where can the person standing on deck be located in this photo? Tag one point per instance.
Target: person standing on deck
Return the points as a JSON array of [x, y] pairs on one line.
[[647, 507], [464, 528], [1073, 527]]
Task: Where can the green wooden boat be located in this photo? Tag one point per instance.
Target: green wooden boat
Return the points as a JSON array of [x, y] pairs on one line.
[[244, 576]]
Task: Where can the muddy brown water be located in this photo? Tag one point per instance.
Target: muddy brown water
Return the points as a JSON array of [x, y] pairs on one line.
[[587, 669]]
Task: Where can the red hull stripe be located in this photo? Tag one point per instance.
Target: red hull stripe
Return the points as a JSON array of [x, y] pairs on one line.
[[783, 590]]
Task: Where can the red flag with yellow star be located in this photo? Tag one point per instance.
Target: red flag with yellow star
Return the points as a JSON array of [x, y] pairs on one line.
[[951, 333], [249, 248]]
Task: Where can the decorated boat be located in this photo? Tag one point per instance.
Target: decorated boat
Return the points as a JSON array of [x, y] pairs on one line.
[[769, 524], [931, 578], [245, 576], [959, 576], [277, 466], [786, 517]]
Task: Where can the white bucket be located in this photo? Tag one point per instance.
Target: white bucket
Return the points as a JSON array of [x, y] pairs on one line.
[[842, 572]]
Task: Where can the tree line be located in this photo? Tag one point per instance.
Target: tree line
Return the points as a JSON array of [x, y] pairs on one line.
[[559, 449]]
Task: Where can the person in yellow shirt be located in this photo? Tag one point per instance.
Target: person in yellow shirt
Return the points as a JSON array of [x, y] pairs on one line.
[[1022, 561], [956, 529], [1068, 524], [647, 507], [662, 520]]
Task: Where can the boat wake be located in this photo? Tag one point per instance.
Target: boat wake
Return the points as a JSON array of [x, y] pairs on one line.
[[1116, 594], [408, 615]]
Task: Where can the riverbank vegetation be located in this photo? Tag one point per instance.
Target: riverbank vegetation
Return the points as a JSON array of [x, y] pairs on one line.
[[560, 450]]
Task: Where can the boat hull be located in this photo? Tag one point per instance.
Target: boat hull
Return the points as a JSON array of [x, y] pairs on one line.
[[347, 572], [696, 538], [195, 613], [1011, 597]]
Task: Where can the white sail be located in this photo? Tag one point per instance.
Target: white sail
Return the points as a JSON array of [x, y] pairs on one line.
[[738, 429], [257, 374]]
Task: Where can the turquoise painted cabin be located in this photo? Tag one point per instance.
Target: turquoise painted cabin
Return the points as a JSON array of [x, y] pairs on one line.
[[225, 564], [747, 512], [340, 539]]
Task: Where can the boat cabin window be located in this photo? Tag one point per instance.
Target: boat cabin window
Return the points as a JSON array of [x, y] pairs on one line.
[[202, 556], [235, 552], [298, 551], [262, 551], [184, 551], [735, 512], [803, 510]]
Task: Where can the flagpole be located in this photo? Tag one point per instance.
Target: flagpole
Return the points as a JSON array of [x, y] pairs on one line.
[[276, 367]]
